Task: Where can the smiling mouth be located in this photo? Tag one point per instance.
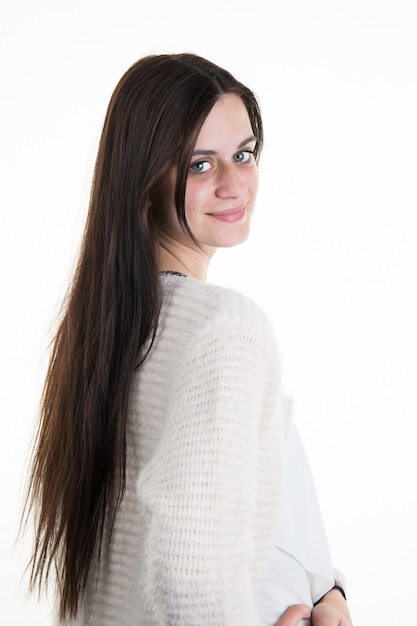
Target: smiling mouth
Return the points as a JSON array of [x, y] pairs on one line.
[[231, 215]]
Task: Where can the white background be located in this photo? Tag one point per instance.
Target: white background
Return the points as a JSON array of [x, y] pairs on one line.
[[332, 255]]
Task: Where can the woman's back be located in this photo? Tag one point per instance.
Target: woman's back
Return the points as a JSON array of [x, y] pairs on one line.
[[193, 536]]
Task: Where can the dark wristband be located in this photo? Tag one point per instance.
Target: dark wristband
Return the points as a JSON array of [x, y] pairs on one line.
[[342, 591], [338, 587]]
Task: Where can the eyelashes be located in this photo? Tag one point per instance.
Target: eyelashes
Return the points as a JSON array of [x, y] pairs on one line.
[[204, 165]]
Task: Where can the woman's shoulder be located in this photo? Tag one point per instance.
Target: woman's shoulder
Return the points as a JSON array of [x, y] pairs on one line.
[[205, 305]]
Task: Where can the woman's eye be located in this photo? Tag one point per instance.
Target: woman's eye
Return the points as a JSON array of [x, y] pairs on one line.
[[243, 156], [200, 167]]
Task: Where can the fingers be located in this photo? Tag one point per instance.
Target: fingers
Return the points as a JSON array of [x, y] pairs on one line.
[[326, 615], [294, 615]]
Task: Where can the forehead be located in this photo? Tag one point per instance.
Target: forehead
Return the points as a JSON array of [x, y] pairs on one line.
[[228, 121]]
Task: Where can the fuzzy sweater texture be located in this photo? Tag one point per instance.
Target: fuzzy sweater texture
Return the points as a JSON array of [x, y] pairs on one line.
[[207, 427]]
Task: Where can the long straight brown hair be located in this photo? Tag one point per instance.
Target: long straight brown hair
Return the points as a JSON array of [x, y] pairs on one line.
[[78, 463]]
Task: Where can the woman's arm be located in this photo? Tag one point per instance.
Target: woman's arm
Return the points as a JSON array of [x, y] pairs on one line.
[[216, 464]]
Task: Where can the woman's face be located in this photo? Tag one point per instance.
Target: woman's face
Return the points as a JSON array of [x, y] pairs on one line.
[[222, 181]]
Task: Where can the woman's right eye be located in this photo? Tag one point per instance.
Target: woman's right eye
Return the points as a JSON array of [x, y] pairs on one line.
[[200, 167]]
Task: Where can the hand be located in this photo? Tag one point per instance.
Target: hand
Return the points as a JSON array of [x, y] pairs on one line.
[[332, 610], [294, 615], [326, 615]]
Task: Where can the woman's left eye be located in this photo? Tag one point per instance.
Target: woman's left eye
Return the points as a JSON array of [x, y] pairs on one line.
[[243, 156]]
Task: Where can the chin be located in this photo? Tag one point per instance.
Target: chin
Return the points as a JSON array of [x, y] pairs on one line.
[[235, 239]]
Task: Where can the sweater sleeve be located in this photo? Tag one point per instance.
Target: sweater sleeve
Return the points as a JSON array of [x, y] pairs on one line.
[[201, 490]]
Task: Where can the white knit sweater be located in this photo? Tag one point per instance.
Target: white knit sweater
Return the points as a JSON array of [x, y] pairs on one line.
[[207, 425]]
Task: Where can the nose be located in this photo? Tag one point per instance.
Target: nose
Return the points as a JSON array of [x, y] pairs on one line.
[[231, 183]]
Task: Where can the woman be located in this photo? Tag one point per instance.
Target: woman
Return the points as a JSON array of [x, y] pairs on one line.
[[161, 476]]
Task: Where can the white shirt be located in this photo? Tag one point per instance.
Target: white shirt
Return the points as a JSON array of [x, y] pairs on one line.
[[300, 570]]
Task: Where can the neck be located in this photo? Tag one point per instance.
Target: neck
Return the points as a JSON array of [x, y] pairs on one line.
[[192, 263]]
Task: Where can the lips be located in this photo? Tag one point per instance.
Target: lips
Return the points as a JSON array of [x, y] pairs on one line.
[[231, 215]]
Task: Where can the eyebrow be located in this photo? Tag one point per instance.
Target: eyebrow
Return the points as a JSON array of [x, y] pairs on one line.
[[212, 152]]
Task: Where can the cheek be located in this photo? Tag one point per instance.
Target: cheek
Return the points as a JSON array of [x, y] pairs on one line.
[[253, 181], [196, 197]]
